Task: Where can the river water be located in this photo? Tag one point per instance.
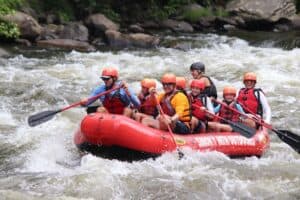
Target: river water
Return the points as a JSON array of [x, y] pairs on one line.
[[43, 163]]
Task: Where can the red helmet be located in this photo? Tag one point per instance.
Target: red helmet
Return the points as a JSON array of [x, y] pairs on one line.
[[180, 82], [148, 83], [198, 84], [250, 76], [229, 90], [110, 72], [168, 78]]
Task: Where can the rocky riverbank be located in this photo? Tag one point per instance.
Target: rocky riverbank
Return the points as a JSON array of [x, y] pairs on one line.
[[97, 30]]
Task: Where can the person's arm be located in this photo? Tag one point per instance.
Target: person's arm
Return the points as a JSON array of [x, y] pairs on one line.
[[266, 108], [239, 108], [96, 91], [133, 98], [217, 108], [209, 105]]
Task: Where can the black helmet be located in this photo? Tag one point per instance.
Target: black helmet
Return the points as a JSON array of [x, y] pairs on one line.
[[198, 66]]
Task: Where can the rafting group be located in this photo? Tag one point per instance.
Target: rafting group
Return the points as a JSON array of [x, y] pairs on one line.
[[180, 109]]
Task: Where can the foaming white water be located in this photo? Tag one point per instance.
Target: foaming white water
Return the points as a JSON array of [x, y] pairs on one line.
[[49, 165]]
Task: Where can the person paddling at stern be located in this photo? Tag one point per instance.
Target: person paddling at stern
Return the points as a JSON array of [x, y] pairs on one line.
[[118, 101], [253, 100]]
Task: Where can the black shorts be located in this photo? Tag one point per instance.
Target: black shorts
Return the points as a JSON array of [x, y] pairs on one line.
[[181, 128]]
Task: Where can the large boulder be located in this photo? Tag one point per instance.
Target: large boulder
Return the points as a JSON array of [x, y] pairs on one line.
[[98, 23], [75, 31], [266, 12], [177, 26], [29, 27], [66, 44], [117, 39]]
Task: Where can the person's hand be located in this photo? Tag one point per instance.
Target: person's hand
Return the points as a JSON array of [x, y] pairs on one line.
[[125, 87], [83, 101]]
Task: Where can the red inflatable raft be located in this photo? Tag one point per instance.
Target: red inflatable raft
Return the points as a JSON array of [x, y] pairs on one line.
[[116, 136]]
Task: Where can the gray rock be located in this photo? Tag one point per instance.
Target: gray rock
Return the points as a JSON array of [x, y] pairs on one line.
[[3, 53], [66, 44], [267, 10], [117, 39], [177, 26], [74, 31], [100, 23]]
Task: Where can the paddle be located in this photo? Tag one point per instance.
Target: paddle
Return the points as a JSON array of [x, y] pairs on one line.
[[286, 136], [163, 115], [44, 116], [238, 127]]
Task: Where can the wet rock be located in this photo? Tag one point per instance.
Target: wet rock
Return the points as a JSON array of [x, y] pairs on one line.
[[29, 27], [136, 28], [117, 39], [50, 31], [99, 23], [296, 22], [74, 31], [3, 53], [257, 14], [24, 42], [143, 40], [66, 44], [177, 26], [150, 25]]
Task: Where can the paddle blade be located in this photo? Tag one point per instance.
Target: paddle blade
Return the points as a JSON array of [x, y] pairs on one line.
[[292, 139], [244, 130], [41, 117]]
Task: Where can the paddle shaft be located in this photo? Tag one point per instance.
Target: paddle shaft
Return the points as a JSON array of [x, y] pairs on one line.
[[163, 115]]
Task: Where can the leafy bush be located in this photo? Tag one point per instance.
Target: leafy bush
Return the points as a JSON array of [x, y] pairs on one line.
[[8, 30]]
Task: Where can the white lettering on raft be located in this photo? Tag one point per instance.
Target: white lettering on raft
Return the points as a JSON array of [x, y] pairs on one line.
[[225, 141]]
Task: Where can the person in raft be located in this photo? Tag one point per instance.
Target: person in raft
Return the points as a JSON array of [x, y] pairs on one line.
[[202, 110], [197, 70], [148, 107], [116, 102], [181, 83], [229, 94], [252, 99], [175, 106]]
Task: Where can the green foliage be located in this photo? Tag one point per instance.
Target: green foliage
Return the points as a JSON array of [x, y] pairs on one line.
[[8, 6], [196, 14], [163, 9], [8, 30]]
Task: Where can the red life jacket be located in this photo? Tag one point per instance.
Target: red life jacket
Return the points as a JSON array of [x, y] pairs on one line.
[[248, 100], [196, 103], [147, 106], [166, 105], [228, 113], [113, 103]]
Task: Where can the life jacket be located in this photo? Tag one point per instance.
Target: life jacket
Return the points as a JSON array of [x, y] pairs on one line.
[[229, 114], [196, 103], [210, 91], [113, 103], [168, 109], [147, 106], [249, 101]]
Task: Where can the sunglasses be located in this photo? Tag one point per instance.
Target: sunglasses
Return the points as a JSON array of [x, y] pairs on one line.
[[167, 84], [105, 78]]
